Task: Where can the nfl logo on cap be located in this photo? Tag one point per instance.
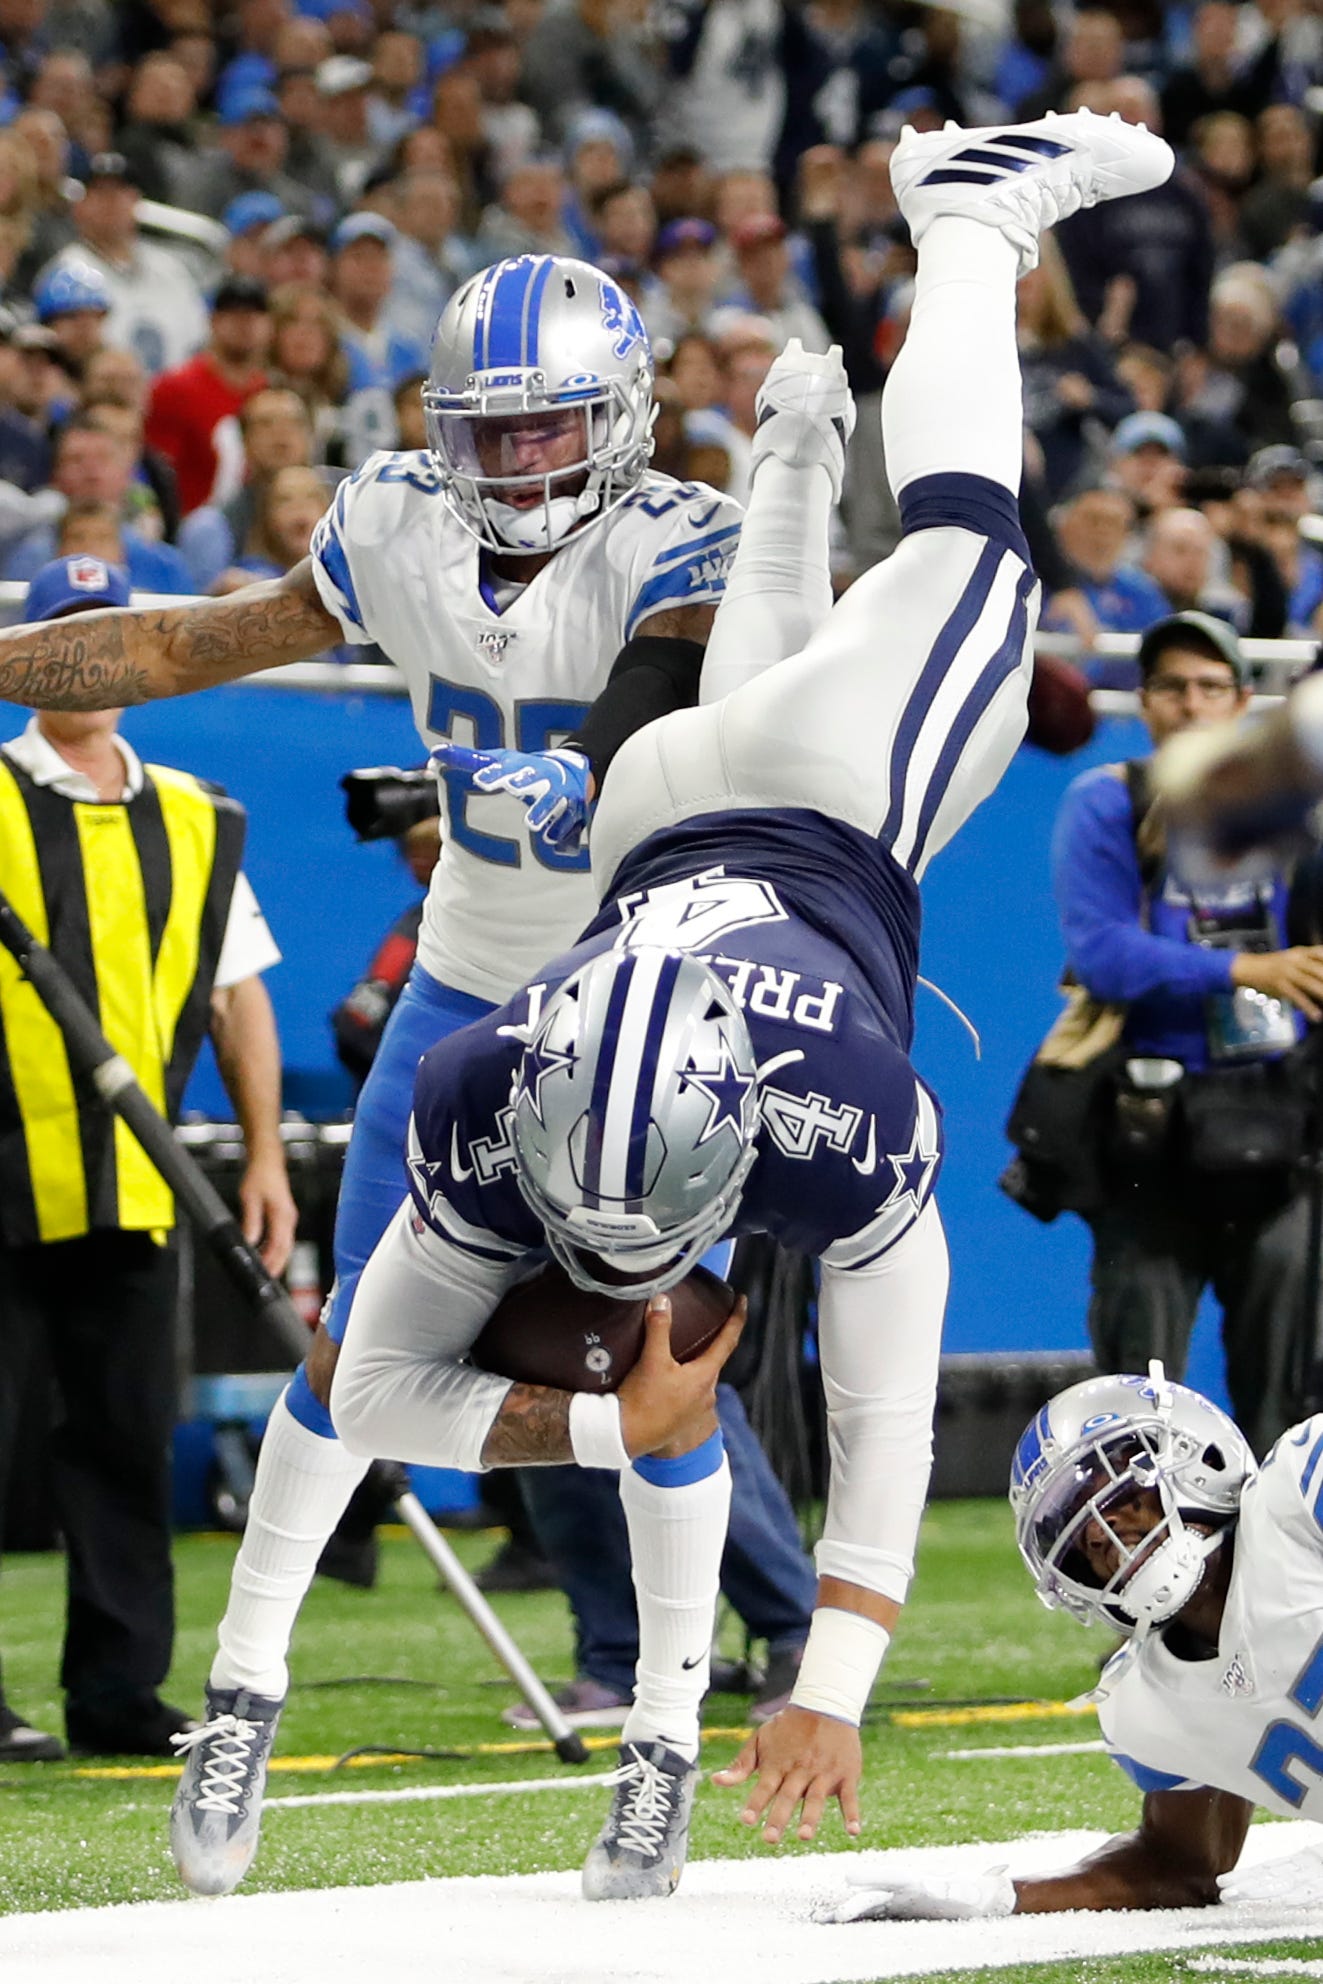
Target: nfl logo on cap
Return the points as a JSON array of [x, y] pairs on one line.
[[88, 574]]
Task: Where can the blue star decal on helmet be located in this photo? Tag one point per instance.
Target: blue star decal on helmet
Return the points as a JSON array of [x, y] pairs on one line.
[[541, 1060], [725, 1088], [913, 1172]]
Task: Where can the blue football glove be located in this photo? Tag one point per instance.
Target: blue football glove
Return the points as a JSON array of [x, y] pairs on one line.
[[552, 784]]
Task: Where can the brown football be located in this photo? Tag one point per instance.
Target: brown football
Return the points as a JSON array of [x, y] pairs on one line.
[[548, 1332]]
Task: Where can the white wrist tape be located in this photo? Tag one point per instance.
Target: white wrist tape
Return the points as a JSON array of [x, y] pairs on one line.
[[840, 1664], [595, 1435]]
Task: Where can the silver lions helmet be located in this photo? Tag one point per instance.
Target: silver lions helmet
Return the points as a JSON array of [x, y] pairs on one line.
[[1083, 1460], [539, 404], [635, 1115]]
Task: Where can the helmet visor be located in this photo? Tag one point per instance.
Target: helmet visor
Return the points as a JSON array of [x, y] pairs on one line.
[[514, 451]]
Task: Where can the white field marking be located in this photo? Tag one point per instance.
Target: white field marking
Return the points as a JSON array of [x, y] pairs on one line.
[[1026, 1750], [743, 1921], [415, 1792], [1268, 1966]]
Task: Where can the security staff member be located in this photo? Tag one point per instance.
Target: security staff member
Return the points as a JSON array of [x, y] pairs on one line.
[[1203, 1184], [131, 875]]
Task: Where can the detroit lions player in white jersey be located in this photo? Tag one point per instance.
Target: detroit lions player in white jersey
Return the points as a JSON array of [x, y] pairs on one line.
[[726, 1049], [1138, 1506]]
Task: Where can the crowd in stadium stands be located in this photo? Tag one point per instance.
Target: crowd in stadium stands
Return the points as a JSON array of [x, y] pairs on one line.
[[336, 168]]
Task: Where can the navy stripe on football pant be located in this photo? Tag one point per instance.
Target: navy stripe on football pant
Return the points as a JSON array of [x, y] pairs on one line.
[[944, 651], [1002, 664]]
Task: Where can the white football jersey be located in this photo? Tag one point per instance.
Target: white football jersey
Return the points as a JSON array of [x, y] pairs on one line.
[[1248, 1721], [396, 567]]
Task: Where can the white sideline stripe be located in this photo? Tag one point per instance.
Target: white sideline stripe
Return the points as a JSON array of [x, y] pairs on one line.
[[416, 1792], [1023, 1750], [1247, 1966], [744, 1921]]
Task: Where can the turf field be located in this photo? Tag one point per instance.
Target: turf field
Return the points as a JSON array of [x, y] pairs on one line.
[[975, 1684]]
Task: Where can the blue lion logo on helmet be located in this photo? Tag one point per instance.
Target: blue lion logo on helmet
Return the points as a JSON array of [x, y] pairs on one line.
[[622, 321]]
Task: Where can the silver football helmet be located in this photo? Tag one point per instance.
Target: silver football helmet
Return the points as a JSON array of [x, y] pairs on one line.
[[539, 405], [635, 1115], [1089, 1452]]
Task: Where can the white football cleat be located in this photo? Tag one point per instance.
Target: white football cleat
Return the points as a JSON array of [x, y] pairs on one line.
[[217, 1810], [640, 1852], [805, 412], [1023, 178]]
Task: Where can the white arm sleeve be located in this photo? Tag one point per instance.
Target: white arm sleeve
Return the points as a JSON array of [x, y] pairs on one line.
[[400, 1388], [779, 590], [880, 1335]]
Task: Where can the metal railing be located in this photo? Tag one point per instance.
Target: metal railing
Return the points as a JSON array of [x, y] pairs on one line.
[[1274, 664]]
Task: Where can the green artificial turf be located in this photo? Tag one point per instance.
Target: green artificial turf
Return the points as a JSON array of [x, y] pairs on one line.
[[401, 1667]]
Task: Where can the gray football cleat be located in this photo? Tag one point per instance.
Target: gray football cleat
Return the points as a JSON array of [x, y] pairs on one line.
[[640, 1851], [217, 1809], [1024, 178]]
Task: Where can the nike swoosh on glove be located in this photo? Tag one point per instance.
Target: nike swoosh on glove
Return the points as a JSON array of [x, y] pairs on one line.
[[553, 785], [1293, 1881], [957, 1898]]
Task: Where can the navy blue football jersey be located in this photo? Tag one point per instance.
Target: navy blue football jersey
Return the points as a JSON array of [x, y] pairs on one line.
[[815, 930]]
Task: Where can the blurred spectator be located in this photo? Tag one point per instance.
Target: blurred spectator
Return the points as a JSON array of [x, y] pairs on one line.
[[343, 82], [65, 84], [1281, 477], [156, 306], [25, 455], [294, 250], [431, 259], [587, 54], [598, 153], [409, 420], [747, 348], [306, 355], [362, 272], [158, 136], [151, 503], [528, 219], [42, 388], [1181, 554], [91, 530], [252, 155], [52, 217], [94, 466], [191, 414], [1162, 240], [1279, 205], [1091, 51], [286, 508], [73, 301], [837, 61], [457, 120], [688, 271], [1236, 514], [276, 433], [767, 286], [727, 90], [510, 127], [625, 222], [1071, 392], [397, 72], [1094, 529], [308, 157], [682, 184], [1222, 159], [246, 221], [1216, 78], [1147, 460], [1240, 380], [691, 447]]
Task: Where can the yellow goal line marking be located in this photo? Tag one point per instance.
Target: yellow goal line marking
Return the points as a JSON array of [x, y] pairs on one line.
[[959, 1718], [380, 1760]]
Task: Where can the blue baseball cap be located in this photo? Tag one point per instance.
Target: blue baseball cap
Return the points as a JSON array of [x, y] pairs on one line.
[[252, 101], [72, 286], [364, 227], [1140, 430], [250, 210], [72, 585]]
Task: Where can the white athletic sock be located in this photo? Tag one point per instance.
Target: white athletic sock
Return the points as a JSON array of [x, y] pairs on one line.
[[676, 1537], [779, 590], [302, 1488], [952, 402]]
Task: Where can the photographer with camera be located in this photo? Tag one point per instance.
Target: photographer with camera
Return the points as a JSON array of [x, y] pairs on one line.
[[1201, 1125]]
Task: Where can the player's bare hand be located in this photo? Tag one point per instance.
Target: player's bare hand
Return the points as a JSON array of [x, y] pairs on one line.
[[1295, 975], [667, 1407], [797, 1763], [267, 1212], [821, 182]]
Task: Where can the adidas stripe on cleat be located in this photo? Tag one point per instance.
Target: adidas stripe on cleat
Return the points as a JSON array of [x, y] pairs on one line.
[[1023, 178]]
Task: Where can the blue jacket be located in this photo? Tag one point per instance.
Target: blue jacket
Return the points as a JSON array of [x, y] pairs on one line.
[[1158, 971]]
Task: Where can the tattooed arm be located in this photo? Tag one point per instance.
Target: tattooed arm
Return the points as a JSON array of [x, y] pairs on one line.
[[98, 661]]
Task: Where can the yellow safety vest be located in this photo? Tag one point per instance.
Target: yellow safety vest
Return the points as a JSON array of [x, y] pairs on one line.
[[132, 897]]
